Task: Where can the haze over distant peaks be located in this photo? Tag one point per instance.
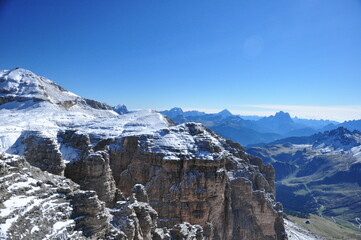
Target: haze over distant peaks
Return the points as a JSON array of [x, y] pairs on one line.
[[284, 115], [280, 116], [255, 129]]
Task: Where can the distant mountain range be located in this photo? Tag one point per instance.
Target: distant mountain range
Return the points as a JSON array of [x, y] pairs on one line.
[[253, 129], [319, 173]]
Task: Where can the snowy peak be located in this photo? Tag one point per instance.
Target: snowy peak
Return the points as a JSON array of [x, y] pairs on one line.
[[340, 138], [174, 112], [225, 113], [121, 109], [19, 85], [22, 85]]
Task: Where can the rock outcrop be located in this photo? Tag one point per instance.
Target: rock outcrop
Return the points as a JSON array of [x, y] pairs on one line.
[[41, 151], [211, 182], [89, 168], [39, 205], [121, 109]]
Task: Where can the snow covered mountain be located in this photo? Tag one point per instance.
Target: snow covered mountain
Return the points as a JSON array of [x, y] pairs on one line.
[[139, 175], [33, 103], [22, 88], [120, 109]]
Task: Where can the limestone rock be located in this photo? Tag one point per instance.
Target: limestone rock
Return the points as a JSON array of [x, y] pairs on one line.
[[138, 220], [42, 152], [140, 193], [39, 205], [147, 217], [226, 191], [186, 231], [89, 214], [89, 169]]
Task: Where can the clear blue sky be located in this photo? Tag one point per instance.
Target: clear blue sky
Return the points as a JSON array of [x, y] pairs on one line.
[[202, 54]]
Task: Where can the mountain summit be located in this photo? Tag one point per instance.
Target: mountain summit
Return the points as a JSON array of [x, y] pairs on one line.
[[121, 109], [174, 112], [340, 138], [225, 113], [281, 122], [282, 115], [19, 86]]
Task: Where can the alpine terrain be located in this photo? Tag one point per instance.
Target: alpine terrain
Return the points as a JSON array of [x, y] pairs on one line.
[[319, 174], [74, 168]]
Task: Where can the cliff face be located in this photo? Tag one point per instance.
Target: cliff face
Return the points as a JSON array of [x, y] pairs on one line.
[[40, 205], [203, 179], [228, 192], [37, 205], [195, 184]]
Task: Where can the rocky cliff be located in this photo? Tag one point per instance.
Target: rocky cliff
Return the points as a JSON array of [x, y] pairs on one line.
[[205, 180], [188, 174], [40, 205]]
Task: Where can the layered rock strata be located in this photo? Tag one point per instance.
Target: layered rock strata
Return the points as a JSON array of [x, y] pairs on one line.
[[89, 168], [228, 192], [206, 180], [39, 205]]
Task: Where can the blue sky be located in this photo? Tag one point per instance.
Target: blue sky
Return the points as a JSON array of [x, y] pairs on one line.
[[254, 57]]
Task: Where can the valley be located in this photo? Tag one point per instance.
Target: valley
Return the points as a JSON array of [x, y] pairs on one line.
[[318, 174]]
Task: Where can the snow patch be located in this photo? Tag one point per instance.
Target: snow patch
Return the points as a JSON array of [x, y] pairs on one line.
[[295, 232]]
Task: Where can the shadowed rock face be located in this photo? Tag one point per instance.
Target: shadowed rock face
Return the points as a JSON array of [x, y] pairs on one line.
[[42, 152], [89, 168]]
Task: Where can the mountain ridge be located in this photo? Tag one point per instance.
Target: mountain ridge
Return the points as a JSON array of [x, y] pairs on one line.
[[246, 132], [20, 85], [189, 173]]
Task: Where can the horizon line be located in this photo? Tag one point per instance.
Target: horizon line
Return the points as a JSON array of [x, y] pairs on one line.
[[332, 113]]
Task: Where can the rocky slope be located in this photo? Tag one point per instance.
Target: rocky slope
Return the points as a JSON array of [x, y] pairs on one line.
[[40, 205], [189, 173]]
